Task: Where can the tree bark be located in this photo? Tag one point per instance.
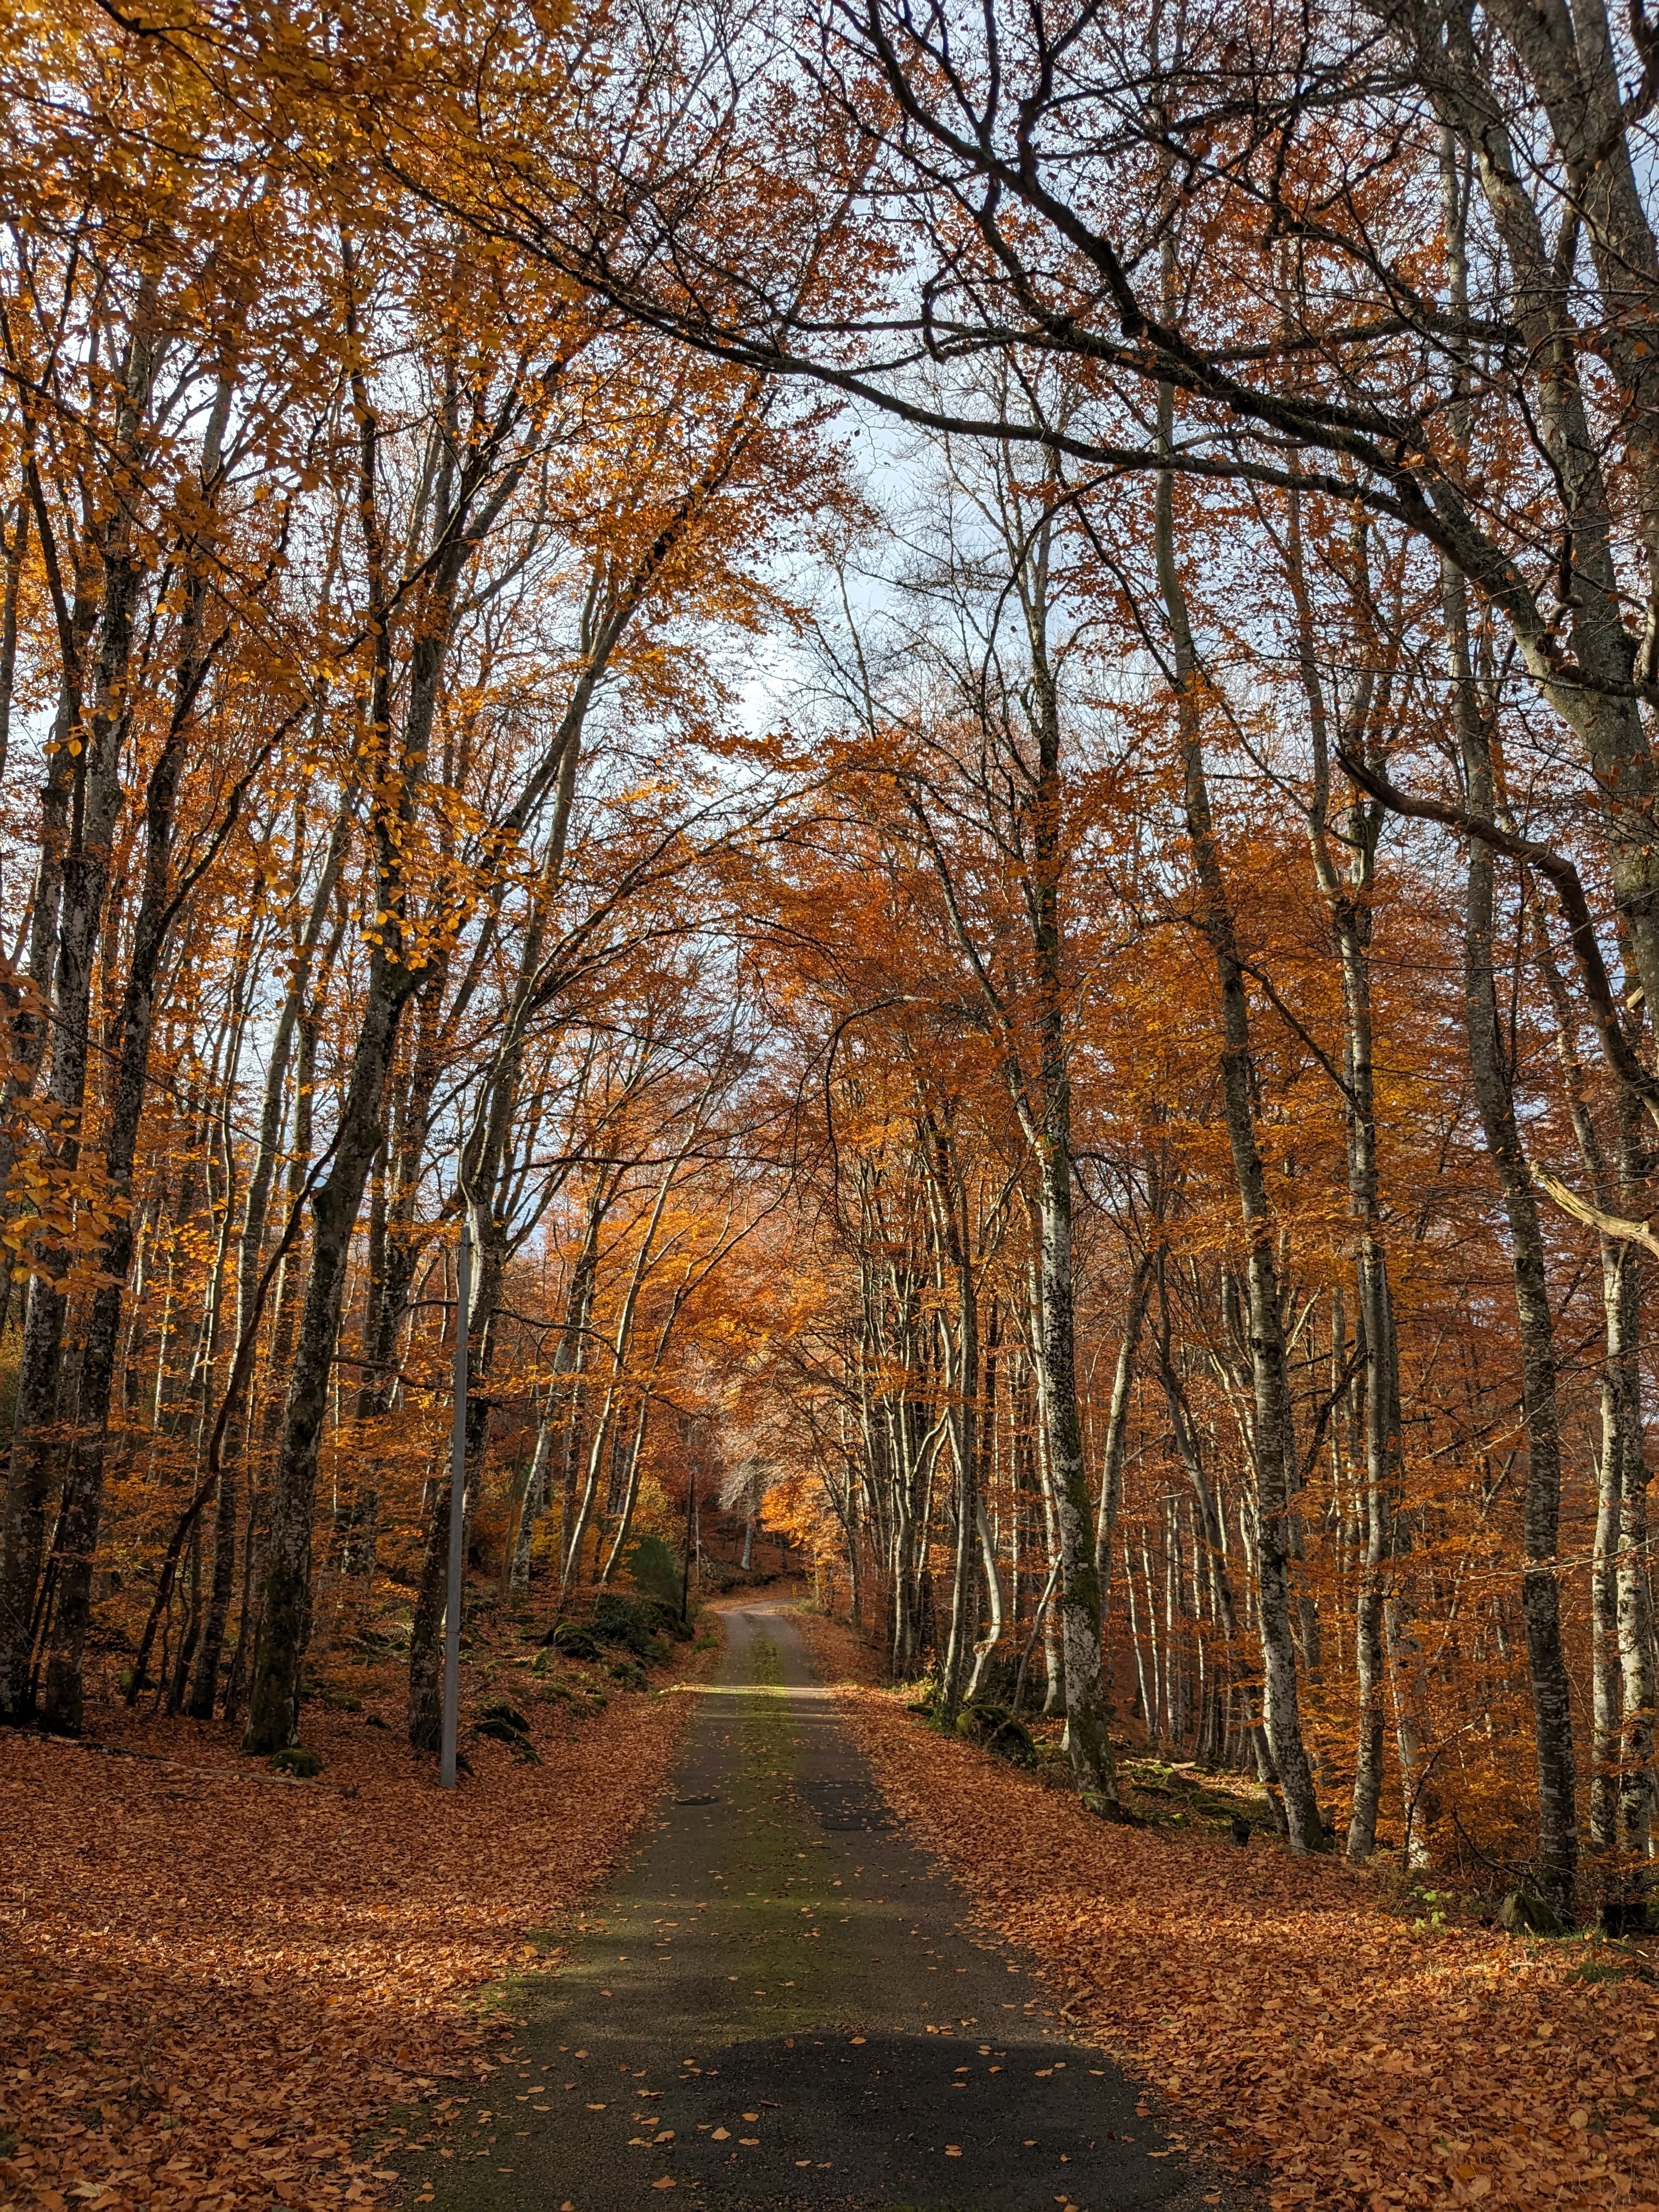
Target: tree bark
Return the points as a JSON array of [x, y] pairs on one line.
[[1273, 1439], [1540, 1596], [95, 797]]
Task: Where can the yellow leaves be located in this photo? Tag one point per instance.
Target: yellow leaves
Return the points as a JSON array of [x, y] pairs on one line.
[[59, 1207]]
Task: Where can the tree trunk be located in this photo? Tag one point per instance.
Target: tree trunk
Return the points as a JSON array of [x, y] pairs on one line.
[[95, 805], [285, 1608], [1273, 1443], [1540, 1596], [81, 1508], [1117, 1424]]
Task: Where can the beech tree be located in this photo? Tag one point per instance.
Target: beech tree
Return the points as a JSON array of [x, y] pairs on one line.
[[952, 721]]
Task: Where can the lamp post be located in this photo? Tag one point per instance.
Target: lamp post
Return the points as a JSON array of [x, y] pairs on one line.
[[690, 1536], [457, 1509]]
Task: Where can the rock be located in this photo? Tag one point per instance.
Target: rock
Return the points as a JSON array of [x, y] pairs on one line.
[[1522, 1914], [505, 1724], [996, 1728], [572, 1640], [499, 1709], [296, 1759]]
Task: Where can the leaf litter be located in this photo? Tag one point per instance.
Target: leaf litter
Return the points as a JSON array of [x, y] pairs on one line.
[[210, 1991], [1279, 2004]]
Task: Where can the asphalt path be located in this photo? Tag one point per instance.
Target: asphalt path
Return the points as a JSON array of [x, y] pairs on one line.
[[779, 2002]]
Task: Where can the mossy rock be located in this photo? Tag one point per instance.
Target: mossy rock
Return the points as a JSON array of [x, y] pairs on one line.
[[499, 1709], [296, 1759], [504, 1725], [1523, 1914], [995, 1729], [572, 1640]]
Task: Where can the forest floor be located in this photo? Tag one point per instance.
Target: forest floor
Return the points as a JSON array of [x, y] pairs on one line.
[[217, 1987], [213, 1979], [1302, 2015]]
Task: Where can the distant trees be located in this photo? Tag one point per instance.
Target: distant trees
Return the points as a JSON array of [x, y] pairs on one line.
[[1400, 267]]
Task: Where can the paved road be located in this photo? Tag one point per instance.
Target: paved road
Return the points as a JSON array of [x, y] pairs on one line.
[[777, 2005]]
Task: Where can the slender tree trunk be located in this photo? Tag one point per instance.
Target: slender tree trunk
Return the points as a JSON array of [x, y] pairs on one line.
[[1274, 1436], [536, 1494], [619, 1368], [95, 801], [1621, 1750], [949, 1208], [426, 1641], [1117, 1423], [285, 1609], [1540, 1596]]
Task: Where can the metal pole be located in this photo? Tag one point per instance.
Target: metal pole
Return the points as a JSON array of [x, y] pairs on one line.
[[690, 1508], [457, 1509]]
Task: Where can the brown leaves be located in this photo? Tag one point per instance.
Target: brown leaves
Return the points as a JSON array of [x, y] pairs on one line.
[[209, 1989], [1364, 2063]]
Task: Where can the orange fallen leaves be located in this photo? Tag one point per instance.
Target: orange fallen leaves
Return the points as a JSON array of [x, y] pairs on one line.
[[1277, 2002], [210, 1989]]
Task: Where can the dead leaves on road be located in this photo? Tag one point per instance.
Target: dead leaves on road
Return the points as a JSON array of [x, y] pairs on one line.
[[1364, 2062], [209, 1988]]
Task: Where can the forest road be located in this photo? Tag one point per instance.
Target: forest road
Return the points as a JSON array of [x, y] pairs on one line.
[[776, 2002]]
